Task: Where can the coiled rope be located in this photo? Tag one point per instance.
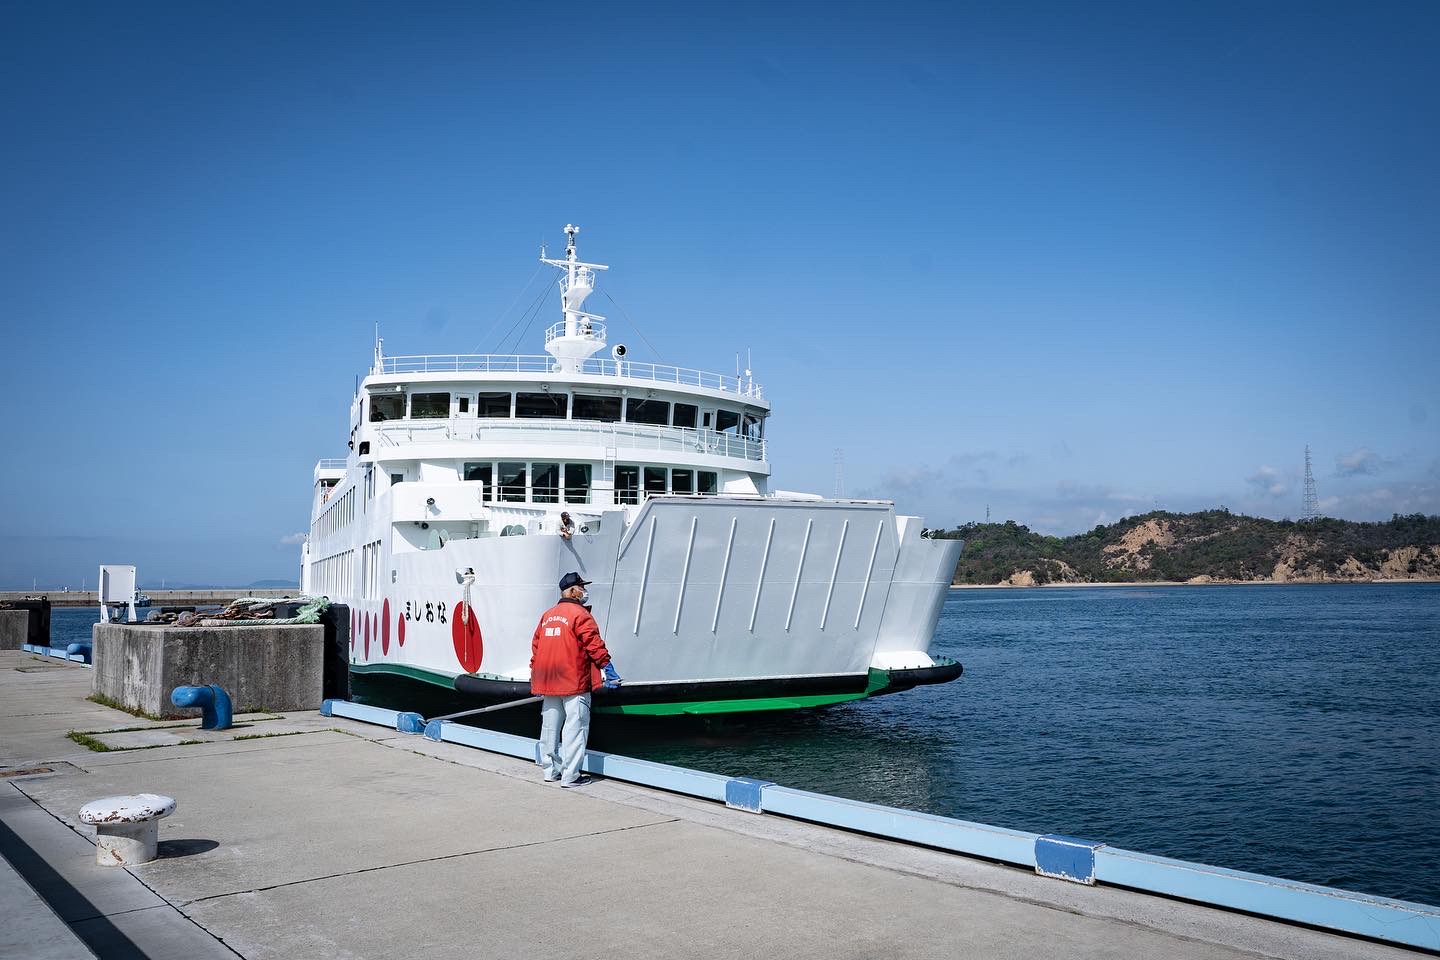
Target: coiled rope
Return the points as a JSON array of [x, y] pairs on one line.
[[241, 610]]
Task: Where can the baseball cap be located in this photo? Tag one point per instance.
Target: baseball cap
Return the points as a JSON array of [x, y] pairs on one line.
[[572, 580]]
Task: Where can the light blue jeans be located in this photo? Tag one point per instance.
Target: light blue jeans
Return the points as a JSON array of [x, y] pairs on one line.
[[562, 751]]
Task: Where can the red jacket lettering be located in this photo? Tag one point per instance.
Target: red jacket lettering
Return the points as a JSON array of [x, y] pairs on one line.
[[564, 649]]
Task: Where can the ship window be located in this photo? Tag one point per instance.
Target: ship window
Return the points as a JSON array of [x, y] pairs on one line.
[[397, 478], [682, 481], [685, 414], [654, 480], [483, 472], [542, 406], [647, 411], [492, 405], [590, 407], [627, 484], [547, 482], [464, 405], [727, 421], [751, 427], [387, 407], [429, 406], [577, 483], [708, 482], [512, 482]]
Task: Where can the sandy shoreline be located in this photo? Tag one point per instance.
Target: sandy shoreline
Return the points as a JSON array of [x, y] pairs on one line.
[[1186, 583]]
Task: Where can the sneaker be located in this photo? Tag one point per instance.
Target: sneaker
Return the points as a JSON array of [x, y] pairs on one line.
[[550, 779], [578, 782]]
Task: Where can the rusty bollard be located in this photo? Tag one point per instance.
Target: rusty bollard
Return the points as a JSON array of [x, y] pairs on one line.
[[127, 828]]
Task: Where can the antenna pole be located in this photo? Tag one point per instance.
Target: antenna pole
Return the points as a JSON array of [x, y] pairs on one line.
[[1311, 504]]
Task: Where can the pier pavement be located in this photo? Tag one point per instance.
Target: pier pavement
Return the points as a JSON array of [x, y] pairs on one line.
[[300, 836]]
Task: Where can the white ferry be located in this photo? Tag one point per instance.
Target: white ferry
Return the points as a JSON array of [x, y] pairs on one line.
[[473, 483]]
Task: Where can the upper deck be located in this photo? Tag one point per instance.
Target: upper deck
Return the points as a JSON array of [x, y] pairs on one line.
[[569, 406], [504, 365]]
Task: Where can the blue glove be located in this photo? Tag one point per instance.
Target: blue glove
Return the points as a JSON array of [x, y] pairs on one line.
[[612, 679]]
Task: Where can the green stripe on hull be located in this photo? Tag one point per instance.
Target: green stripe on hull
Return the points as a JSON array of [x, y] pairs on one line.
[[401, 670], [704, 707], [877, 684]]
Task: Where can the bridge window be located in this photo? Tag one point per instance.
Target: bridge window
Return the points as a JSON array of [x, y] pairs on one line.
[[752, 427], [429, 406], [547, 482], [492, 405], [590, 407], [682, 481], [727, 421], [685, 414], [708, 482], [654, 480], [577, 483], [542, 406], [485, 473], [647, 411], [512, 482], [627, 484], [387, 406]]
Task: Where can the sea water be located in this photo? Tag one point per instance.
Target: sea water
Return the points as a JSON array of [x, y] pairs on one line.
[[1291, 730], [1287, 730]]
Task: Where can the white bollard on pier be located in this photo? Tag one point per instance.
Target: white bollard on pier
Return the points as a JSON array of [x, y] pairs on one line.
[[127, 829]]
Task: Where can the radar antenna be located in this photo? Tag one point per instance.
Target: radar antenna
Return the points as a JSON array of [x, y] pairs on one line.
[[580, 334]]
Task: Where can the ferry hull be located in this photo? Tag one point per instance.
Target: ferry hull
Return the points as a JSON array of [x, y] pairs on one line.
[[707, 604]]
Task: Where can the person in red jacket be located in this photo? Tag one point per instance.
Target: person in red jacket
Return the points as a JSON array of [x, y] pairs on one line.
[[563, 653]]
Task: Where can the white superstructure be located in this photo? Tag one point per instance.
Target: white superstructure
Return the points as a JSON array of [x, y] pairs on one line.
[[472, 483]]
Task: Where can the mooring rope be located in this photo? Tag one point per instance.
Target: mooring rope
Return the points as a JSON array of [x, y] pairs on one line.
[[468, 579], [309, 612]]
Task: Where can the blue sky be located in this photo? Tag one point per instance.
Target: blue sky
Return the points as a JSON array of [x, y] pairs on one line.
[[1068, 260]]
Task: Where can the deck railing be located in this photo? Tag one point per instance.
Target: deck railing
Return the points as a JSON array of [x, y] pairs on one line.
[[593, 329], [626, 436], [620, 369]]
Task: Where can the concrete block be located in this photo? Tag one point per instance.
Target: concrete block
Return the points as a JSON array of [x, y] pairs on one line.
[[14, 626], [263, 667]]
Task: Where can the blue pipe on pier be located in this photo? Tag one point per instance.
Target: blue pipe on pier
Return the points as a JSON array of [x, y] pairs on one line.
[[82, 648], [216, 712]]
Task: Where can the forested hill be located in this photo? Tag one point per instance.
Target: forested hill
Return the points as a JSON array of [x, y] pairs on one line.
[[1213, 545]]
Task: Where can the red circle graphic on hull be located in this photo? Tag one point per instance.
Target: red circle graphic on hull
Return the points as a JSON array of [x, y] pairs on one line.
[[354, 628], [366, 618], [400, 629], [465, 629], [385, 628]]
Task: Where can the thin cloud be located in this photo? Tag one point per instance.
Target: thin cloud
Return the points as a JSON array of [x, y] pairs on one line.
[[1268, 482], [1360, 462], [292, 539]]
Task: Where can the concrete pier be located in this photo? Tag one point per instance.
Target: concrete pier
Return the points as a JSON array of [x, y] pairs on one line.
[[14, 629], [210, 596], [262, 667], [310, 836]]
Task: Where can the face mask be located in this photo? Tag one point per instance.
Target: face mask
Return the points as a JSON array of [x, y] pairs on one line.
[[585, 596]]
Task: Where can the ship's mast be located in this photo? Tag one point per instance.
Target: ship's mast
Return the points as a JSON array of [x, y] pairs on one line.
[[582, 333]]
